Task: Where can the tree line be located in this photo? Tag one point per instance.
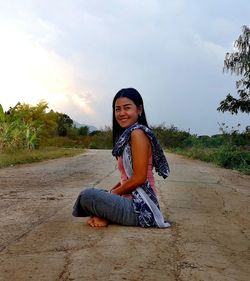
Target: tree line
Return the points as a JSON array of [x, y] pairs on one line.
[[28, 127]]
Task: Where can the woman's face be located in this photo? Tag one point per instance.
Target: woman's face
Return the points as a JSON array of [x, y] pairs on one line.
[[126, 112]]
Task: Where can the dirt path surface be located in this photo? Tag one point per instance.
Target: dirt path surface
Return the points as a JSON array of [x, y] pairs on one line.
[[40, 240]]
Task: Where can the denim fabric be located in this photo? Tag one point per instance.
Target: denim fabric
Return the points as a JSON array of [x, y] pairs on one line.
[[100, 203]]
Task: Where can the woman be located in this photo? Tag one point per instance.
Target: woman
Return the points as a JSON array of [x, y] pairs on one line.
[[132, 201]]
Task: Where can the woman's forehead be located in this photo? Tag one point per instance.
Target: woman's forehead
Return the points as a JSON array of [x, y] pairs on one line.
[[123, 101]]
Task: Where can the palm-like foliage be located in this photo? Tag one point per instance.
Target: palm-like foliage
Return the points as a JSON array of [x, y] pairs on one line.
[[23, 126]]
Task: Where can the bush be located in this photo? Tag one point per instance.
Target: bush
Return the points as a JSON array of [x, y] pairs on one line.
[[64, 142], [233, 158], [171, 137], [230, 157], [197, 153], [93, 145], [102, 139]]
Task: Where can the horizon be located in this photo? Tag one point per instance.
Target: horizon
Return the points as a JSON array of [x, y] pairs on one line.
[[76, 59], [228, 128]]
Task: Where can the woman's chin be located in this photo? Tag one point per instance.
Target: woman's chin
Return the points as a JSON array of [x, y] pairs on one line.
[[125, 125]]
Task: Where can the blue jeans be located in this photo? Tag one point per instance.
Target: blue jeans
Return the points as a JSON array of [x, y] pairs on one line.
[[100, 203]]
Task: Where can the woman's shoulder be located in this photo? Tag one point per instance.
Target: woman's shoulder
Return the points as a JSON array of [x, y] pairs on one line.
[[139, 127], [139, 134]]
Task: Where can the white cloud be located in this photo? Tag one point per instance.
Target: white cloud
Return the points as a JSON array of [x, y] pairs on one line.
[[77, 54], [30, 73]]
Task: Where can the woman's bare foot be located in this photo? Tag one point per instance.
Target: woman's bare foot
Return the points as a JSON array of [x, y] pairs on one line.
[[90, 221], [97, 222]]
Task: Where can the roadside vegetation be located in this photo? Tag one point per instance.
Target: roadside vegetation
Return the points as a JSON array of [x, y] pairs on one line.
[[228, 149], [30, 133], [30, 156]]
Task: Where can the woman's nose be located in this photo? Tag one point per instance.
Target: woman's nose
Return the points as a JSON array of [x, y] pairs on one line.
[[121, 112]]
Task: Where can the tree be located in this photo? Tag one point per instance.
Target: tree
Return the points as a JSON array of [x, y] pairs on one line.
[[83, 131], [24, 126], [64, 122], [238, 63]]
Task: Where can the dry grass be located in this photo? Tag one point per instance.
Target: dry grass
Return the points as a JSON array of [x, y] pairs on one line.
[[29, 156]]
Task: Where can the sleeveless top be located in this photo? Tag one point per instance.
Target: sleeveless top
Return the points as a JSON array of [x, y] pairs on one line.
[[145, 202], [150, 175]]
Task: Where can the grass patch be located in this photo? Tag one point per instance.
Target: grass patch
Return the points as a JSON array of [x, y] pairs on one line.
[[30, 156], [225, 156]]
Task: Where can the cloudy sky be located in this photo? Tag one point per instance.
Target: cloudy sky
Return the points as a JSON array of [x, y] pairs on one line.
[[76, 54]]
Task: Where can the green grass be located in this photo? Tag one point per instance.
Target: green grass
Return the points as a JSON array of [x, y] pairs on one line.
[[29, 156], [225, 156]]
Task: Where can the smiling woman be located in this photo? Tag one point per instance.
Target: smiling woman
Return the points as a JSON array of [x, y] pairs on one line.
[[133, 200]]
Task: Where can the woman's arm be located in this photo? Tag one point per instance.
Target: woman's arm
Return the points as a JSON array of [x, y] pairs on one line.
[[141, 150], [114, 187]]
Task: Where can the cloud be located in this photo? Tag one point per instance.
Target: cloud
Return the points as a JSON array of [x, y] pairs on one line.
[[78, 54], [29, 73]]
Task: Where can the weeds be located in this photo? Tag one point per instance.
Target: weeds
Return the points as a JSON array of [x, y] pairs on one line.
[[27, 156]]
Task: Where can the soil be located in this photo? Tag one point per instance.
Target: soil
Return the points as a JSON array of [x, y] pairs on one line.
[[209, 239]]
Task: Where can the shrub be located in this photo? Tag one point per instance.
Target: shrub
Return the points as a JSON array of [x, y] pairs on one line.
[[233, 158], [171, 137]]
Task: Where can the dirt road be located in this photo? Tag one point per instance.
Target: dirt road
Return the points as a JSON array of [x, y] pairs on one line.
[[40, 240]]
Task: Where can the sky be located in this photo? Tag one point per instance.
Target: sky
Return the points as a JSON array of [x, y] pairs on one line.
[[77, 54]]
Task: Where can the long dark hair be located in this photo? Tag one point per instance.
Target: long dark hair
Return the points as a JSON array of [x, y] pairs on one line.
[[135, 96]]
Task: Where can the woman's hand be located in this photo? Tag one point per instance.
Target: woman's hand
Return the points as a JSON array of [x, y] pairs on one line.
[[114, 187], [115, 191]]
